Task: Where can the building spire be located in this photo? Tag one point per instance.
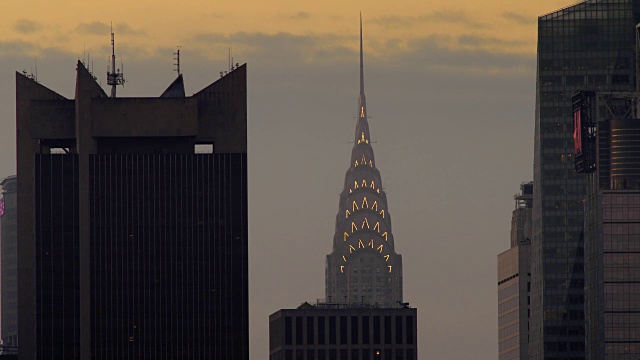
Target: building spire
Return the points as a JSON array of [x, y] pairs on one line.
[[361, 61], [362, 126], [363, 227]]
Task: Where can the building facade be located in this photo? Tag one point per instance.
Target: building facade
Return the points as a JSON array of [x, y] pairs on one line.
[[514, 281], [9, 276], [131, 245], [589, 45], [343, 332], [613, 274], [363, 266], [608, 138]]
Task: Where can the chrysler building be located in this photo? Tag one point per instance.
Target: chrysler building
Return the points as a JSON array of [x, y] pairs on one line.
[[363, 266]]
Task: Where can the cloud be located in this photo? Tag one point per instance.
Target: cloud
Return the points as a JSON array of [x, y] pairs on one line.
[[16, 48], [440, 16], [447, 53], [451, 54], [434, 53], [300, 15], [281, 48], [477, 41], [25, 26], [519, 18], [214, 15], [102, 28]]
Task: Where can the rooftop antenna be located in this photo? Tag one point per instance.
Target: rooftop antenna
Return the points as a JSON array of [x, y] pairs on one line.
[[114, 77], [31, 75], [177, 60]]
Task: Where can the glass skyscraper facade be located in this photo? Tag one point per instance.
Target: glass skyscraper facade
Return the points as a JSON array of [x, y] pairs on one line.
[[612, 222], [130, 243], [587, 46]]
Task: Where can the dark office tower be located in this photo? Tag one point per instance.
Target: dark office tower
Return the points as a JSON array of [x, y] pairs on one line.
[[363, 266], [9, 277], [607, 141], [514, 272], [131, 245], [590, 45]]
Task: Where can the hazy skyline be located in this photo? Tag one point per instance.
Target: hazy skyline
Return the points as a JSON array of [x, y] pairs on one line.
[[450, 90]]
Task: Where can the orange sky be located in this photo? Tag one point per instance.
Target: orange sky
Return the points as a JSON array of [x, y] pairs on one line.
[[147, 25]]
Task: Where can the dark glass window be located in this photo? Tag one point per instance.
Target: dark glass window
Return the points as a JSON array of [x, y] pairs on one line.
[[310, 331], [298, 330], [332, 330], [322, 354], [333, 354], [365, 330], [321, 330], [344, 354], [343, 330], [409, 330], [354, 330], [366, 355], [411, 354], [376, 329], [387, 330], [355, 354], [288, 331], [399, 354], [398, 329], [311, 354]]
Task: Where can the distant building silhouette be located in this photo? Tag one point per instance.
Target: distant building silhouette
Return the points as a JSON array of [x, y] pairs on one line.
[[131, 245], [9, 276], [364, 266], [587, 46], [514, 280]]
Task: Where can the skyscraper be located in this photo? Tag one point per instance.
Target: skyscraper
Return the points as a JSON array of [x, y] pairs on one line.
[[9, 276], [131, 244], [589, 45], [363, 266], [612, 221], [363, 316], [514, 280]]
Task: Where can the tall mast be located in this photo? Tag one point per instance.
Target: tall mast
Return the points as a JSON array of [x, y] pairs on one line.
[[114, 76], [113, 62]]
